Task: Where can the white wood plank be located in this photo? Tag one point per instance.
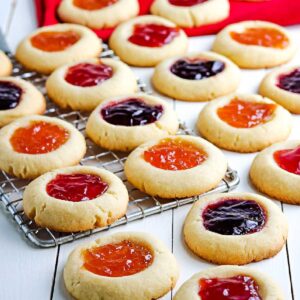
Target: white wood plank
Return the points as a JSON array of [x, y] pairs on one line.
[[5, 11]]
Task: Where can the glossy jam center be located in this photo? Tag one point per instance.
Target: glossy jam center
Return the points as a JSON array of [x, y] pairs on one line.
[[234, 217], [289, 160], [186, 2], [174, 155], [86, 74], [115, 260], [233, 288], [10, 95], [131, 112], [93, 4], [52, 41], [265, 37], [196, 69], [153, 35], [38, 137], [290, 82], [76, 187], [244, 114]]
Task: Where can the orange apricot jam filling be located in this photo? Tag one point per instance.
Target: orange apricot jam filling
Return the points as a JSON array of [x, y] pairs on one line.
[[265, 37], [38, 137], [244, 114], [52, 41], [116, 260], [93, 4], [174, 155]]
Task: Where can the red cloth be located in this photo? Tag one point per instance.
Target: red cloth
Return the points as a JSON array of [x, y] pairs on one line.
[[283, 12]]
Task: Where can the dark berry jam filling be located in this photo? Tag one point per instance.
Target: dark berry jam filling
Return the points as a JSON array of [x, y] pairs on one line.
[[153, 35], [10, 95], [186, 3], [86, 74], [288, 160], [234, 217], [76, 187], [290, 82], [131, 112], [196, 69], [233, 288]]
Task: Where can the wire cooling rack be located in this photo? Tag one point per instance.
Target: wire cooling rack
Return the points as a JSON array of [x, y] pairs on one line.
[[140, 206]]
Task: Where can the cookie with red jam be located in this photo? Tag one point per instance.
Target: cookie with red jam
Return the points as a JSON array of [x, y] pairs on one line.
[[127, 266], [5, 65]]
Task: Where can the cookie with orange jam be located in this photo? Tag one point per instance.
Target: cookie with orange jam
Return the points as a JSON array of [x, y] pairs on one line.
[[176, 166], [275, 171], [255, 44], [75, 199], [127, 266], [33, 145], [244, 122], [5, 64], [50, 47], [229, 282], [97, 13]]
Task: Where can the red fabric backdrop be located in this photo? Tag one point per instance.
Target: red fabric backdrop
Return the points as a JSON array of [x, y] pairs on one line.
[[283, 12]]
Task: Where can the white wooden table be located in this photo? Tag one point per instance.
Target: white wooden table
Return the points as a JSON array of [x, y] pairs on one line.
[[36, 274]]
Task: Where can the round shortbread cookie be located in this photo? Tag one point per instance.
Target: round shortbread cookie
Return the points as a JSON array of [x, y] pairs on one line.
[[244, 122], [84, 85], [215, 279], [235, 228], [198, 13], [282, 86], [275, 171], [19, 98], [94, 15], [33, 145], [174, 43], [46, 199], [244, 44], [5, 65], [124, 123], [152, 273], [50, 47], [177, 166], [196, 77]]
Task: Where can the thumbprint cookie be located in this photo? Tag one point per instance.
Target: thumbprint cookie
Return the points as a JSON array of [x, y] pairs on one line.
[[176, 166], [255, 44], [126, 122], [275, 171], [85, 84], [229, 282], [97, 13], [75, 199], [33, 145], [283, 86], [191, 13], [19, 98], [5, 65], [244, 122], [126, 265], [50, 47], [235, 228], [146, 40], [196, 77]]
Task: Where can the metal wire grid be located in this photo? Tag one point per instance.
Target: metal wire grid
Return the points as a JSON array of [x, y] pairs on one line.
[[140, 206]]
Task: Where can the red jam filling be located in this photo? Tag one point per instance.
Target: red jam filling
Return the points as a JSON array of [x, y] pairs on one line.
[[288, 160], [234, 217], [10, 95], [153, 35], [76, 187], [93, 4], [265, 37], [86, 74], [234, 288], [52, 41], [186, 2], [116, 260], [38, 137], [290, 82], [244, 114], [174, 155]]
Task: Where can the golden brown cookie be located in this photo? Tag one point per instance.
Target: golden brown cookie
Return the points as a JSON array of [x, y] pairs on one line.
[[5, 64]]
